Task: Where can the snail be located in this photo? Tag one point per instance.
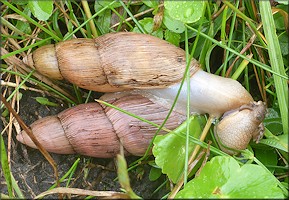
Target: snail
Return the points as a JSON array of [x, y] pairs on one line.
[[113, 62], [239, 126], [94, 130], [129, 65]]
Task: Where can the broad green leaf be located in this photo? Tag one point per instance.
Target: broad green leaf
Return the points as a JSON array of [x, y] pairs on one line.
[[151, 3], [172, 37], [148, 24], [267, 157], [24, 26], [283, 41], [185, 11], [273, 121], [279, 21], [169, 149], [42, 10], [223, 177], [172, 24], [155, 173], [99, 4], [45, 101], [103, 21]]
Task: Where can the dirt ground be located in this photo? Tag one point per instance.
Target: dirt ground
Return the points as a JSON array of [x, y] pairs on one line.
[[34, 174]]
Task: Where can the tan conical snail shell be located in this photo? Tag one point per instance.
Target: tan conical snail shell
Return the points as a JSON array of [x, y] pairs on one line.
[[113, 62]]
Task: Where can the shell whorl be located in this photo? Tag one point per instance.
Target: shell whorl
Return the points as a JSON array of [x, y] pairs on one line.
[[44, 60]]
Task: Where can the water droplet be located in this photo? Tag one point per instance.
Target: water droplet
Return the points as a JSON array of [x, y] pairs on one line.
[[189, 12]]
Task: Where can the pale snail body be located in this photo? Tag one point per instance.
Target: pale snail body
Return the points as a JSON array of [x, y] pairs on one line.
[[208, 94], [124, 61]]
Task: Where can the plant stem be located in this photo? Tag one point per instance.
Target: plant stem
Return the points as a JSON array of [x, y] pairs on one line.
[[33, 138], [88, 14]]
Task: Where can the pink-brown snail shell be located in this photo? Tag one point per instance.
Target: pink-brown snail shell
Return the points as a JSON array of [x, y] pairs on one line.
[[94, 130]]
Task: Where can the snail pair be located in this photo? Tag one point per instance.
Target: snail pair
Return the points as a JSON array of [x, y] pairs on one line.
[[141, 74]]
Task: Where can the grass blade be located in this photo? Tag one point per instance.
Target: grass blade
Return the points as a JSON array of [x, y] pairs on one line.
[[276, 61], [253, 61], [6, 168], [29, 19]]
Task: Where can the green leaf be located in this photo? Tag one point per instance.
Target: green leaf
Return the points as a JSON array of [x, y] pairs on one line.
[[283, 42], [222, 177], [279, 142], [267, 157], [185, 11], [103, 21], [279, 21], [20, 2], [5, 113], [155, 173], [151, 3], [273, 121], [42, 10], [172, 37], [123, 176], [283, 1], [169, 149], [99, 4], [172, 24], [45, 101], [148, 24], [24, 26]]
